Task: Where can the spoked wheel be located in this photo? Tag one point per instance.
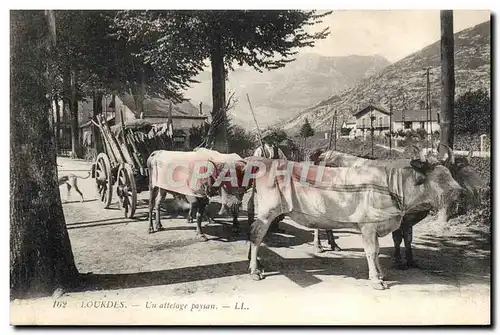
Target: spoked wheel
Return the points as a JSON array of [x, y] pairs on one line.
[[126, 190], [103, 179]]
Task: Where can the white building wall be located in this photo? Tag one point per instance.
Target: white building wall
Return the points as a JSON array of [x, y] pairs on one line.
[[416, 125]]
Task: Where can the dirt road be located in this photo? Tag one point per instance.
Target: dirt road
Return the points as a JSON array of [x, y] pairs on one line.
[[130, 265]]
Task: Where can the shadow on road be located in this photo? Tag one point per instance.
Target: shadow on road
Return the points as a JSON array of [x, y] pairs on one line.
[[441, 264], [78, 201], [163, 277]]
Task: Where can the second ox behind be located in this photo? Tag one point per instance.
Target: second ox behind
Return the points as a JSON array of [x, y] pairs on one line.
[[189, 175]]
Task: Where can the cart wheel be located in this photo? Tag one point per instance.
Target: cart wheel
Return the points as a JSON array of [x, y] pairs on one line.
[[103, 179], [126, 190]]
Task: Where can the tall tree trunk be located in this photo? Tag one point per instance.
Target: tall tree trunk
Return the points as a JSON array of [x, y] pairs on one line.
[[142, 92], [219, 117], [97, 110], [41, 259], [138, 100], [66, 98], [447, 79], [57, 123], [75, 136]]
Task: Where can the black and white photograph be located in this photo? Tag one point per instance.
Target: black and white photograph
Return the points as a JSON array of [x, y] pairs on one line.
[[250, 167]]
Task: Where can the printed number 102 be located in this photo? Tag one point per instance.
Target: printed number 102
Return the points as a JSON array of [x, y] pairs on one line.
[[59, 304]]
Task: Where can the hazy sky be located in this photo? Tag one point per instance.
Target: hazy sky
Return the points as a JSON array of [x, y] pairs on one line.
[[393, 34]]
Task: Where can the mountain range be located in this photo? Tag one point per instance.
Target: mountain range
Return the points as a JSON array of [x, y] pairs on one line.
[[406, 78], [280, 94]]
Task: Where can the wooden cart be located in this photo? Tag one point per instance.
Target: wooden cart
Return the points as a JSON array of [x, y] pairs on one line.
[[122, 166]]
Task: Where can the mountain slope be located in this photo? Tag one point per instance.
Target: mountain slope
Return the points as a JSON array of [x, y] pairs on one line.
[[472, 71], [278, 94]]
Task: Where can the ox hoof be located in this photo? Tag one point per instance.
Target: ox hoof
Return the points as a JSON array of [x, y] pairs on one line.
[[201, 237], [257, 275], [336, 248], [382, 276], [151, 231], [319, 249], [380, 286]]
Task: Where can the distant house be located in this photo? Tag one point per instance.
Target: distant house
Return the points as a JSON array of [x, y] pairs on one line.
[[378, 117], [370, 116], [184, 115], [415, 119]]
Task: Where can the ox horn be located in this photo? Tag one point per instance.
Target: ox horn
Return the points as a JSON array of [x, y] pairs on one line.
[[451, 155]]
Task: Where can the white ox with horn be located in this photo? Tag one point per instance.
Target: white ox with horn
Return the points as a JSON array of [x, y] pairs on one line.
[[371, 199], [460, 170]]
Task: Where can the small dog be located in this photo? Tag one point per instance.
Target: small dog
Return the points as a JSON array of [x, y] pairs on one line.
[[70, 181]]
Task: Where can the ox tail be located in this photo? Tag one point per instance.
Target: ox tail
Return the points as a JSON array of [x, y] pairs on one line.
[[83, 177], [151, 168]]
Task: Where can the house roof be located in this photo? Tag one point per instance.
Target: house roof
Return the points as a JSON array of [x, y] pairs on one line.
[[370, 107], [414, 115], [155, 109], [158, 108]]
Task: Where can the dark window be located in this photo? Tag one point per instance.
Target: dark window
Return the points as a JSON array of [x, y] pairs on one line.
[[408, 125]]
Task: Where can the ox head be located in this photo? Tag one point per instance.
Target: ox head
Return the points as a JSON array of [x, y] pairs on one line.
[[432, 185], [461, 171], [464, 174], [314, 156]]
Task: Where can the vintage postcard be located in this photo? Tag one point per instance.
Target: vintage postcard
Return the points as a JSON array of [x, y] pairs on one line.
[[250, 167]]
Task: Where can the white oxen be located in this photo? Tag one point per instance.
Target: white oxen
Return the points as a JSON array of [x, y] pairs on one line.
[[274, 152], [162, 175], [216, 156]]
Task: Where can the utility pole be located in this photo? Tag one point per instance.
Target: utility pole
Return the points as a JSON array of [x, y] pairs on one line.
[[428, 101], [390, 126], [371, 119], [447, 79], [403, 105], [331, 132], [335, 128]]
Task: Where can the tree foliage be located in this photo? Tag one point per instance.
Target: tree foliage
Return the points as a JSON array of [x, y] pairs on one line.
[[241, 141], [473, 113], [306, 129], [421, 133], [111, 56], [260, 39], [275, 136]]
